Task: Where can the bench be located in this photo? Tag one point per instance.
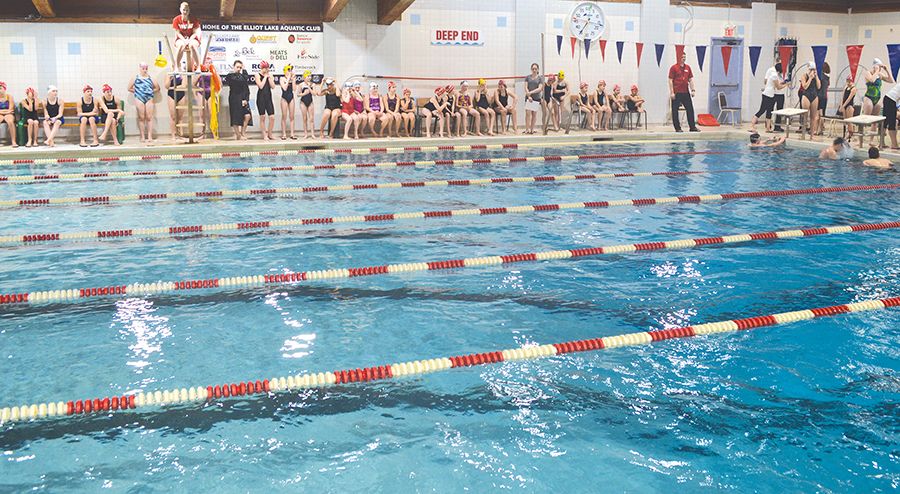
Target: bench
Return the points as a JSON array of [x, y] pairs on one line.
[[69, 112]]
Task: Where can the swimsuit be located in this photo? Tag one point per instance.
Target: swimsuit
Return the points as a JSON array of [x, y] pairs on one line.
[[873, 91], [111, 105], [306, 99], [29, 114], [53, 111], [463, 100], [374, 103], [206, 84], [430, 106], [559, 92], [503, 99], [264, 103], [288, 94], [177, 96], [143, 89], [811, 92], [391, 103], [357, 105], [332, 101], [4, 105], [407, 107], [584, 99], [482, 101], [348, 107], [848, 103], [547, 91], [87, 108]]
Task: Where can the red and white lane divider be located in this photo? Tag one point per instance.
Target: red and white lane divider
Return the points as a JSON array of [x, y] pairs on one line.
[[33, 239], [319, 152], [220, 172], [236, 282], [287, 384], [293, 191]]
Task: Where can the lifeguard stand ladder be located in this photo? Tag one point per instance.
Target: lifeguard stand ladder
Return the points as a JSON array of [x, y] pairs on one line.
[[191, 122]]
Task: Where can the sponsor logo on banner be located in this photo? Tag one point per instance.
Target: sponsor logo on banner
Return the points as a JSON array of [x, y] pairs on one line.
[[307, 55], [291, 38], [276, 54], [454, 37], [260, 38], [226, 38], [217, 53]]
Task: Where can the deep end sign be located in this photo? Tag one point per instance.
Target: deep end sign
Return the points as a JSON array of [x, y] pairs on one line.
[[456, 37]]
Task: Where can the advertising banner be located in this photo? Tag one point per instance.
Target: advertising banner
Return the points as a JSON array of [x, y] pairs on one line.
[[300, 45]]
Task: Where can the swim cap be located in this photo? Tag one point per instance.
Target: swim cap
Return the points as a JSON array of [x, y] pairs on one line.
[[812, 65], [449, 87], [143, 65], [601, 82], [288, 68], [87, 88], [357, 84], [634, 87], [392, 84], [551, 77], [754, 137], [562, 75], [107, 87], [849, 78], [329, 81], [877, 61], [501, 82], [3, 84], [439, 90], [463, 83], [407, 91], [30, 90], [263, 65], [306, 74], [482, 82], [52, 88], [616, 87], [373, 85], [584, 85]]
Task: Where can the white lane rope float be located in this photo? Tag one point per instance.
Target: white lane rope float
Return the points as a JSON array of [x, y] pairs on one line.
[[212, 195], [35, 239], [195, 396], [122, 289], [286, 169], [315, 152]]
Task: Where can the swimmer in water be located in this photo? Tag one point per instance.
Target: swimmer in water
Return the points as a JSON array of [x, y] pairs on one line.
[[835, 151], [757, 143], [875, 159]]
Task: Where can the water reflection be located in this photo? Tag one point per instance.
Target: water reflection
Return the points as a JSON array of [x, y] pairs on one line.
[[147, 330]]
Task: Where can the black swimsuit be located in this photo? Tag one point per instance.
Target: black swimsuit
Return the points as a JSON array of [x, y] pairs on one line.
[[332, 102], [177, 96], [264, 103], [29, 114], [482, 101], [111, 105], [559, 91], [306, 99], [584, 99], [848, 103], [288, 94], [87, 108], [547, 91], [503, 99], [811, 92]]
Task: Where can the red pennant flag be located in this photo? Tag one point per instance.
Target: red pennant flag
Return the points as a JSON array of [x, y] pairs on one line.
[[574, 40], [784, 56], [603, 49], [853, 54], [640, 49], [726, 57], [679, 51]]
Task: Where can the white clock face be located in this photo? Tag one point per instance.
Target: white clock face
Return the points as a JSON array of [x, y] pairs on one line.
[[587, 21]]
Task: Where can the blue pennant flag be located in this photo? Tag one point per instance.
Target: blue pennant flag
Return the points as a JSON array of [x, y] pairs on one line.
[[819, 53], [754, 58], [701, 56], [587, 47], [620, 45], [894, 59], [559, 39], [659, 53]]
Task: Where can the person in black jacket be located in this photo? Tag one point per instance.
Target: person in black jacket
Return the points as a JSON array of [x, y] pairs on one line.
[[238, 82]]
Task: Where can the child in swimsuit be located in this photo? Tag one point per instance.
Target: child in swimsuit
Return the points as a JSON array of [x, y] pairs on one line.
[[144, 87], [112, 112], [288, 109], [8, 114], [29, 114]]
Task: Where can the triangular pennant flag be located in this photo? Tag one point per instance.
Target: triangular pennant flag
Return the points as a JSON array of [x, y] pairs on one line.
[[819, 53], [587, 47], [754, 58], [559, 44], [784, 56], [726, 57], [894, 58], [701, 56], [620, 45], [573, 40], [659, 53], [854, 52], [679, 51], [640, 49], [603, 49]]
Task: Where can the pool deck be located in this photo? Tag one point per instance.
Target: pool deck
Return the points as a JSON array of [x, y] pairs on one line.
[[165, 146]]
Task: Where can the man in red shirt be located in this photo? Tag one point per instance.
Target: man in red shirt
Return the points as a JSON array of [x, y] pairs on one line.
[[681, 80], [187, 36]]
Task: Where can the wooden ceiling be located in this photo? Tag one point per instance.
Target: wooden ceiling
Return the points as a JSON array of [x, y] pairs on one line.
[[162, 11], [834, 6]]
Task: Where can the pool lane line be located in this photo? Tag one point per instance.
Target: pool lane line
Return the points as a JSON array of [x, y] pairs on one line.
[[120, 290], [243, 171], [212, 195], [35, 239], [321, 152], [198, 395]]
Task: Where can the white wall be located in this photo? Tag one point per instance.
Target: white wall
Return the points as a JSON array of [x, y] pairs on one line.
[[356, 45]]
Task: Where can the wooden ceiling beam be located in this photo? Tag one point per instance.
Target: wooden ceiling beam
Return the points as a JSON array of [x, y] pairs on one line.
[[391, 10], [331, 9], [44, 7], [226, 9]]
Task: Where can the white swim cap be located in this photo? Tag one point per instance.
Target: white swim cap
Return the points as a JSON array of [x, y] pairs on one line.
[[877, 61], [812, 64], [51, 87], [373, 85]]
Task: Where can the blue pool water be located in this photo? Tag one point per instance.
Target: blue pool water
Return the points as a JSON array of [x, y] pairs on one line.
[[811, 406]]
